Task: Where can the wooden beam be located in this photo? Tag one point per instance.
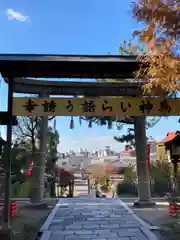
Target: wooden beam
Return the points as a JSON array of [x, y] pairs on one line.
[[2, 143], [5, 119], [68, 66], [66, 88]]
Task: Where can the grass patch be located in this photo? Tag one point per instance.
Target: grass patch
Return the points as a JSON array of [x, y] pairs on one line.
[[29, 231], [26, 225], [172, 230]]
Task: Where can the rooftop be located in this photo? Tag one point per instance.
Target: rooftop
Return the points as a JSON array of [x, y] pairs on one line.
[[171, 136]]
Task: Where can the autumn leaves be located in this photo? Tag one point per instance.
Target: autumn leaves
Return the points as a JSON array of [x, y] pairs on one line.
[[160, 55]]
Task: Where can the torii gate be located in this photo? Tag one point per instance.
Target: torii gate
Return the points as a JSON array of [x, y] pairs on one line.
[[16, 69]]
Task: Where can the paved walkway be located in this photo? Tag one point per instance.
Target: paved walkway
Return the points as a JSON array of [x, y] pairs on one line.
[[85, 218]]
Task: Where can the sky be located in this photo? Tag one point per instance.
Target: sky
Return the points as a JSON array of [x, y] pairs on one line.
[[72, 27]]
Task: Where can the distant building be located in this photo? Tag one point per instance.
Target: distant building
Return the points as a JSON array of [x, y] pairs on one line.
[[80, 160], [153, 149], [128, 155], [162, 152]]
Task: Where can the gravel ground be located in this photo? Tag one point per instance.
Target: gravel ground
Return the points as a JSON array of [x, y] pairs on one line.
[[28, 221], [156, 216]]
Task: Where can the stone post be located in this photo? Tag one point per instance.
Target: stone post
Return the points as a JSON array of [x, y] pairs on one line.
[[144, 192], [88, 182]]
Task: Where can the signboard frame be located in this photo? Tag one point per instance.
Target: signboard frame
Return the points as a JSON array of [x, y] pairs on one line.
[[100, 106]]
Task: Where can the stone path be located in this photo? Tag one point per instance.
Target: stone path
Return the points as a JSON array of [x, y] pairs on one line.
[[85, 218]]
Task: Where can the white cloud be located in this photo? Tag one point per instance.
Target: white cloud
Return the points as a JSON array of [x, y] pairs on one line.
[[13, 15]]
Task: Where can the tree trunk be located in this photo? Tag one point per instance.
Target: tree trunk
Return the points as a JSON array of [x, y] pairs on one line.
[[33, 154], [144, 192], [37, 195], [52, 189]]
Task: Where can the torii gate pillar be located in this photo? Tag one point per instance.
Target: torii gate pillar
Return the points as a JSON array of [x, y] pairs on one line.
[[144, 192], [39, 170]]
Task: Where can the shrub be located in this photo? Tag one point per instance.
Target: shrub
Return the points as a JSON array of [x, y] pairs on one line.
[[21, 190], [126, 187], [161, 187]]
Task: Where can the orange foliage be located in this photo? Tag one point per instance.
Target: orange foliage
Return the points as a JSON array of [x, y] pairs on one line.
[[100, 171], [162, 40]]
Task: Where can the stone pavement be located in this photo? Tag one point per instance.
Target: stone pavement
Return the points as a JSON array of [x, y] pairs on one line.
[[88, 218]]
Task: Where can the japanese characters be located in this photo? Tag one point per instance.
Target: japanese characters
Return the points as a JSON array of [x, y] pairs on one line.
[[146, 106], [48, 106], [30, 105], [89, 106], [99, 106]]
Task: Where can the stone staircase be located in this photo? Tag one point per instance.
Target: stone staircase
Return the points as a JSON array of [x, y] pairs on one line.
[[80, 187]]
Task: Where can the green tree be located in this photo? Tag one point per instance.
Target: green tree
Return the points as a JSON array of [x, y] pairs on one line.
[[128, 186], [19, 159], [129, 137], [28, 131], [130, 174], [160, 174], [52, 157], [52, 149]]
